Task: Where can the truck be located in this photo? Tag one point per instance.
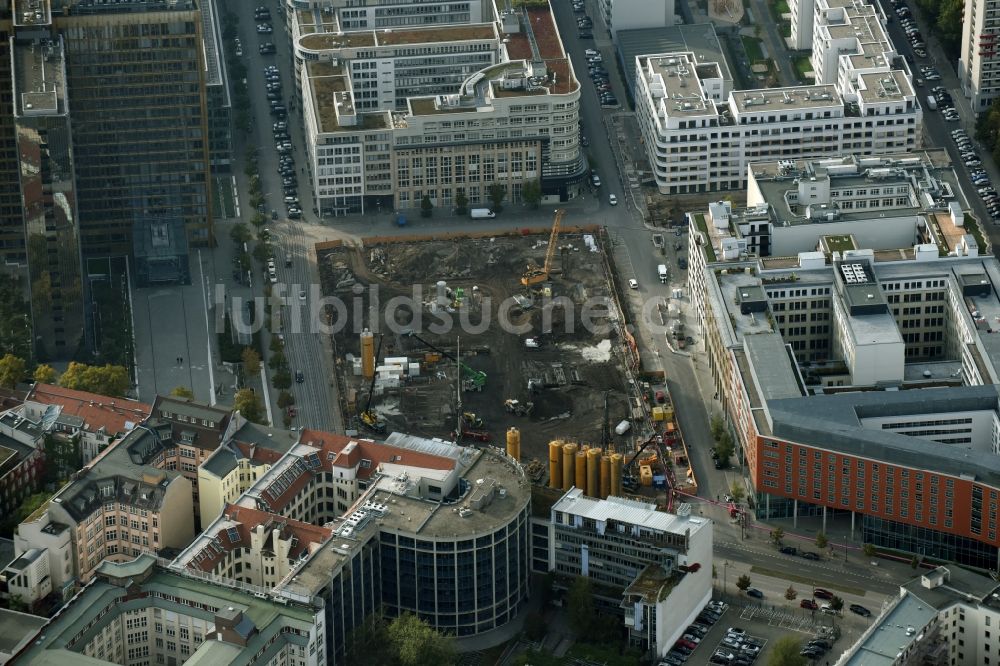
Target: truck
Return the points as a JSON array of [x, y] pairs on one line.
[[661, 270], [481, 213], [931, 103]]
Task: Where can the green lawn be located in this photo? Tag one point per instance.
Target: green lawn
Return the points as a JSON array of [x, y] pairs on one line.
[[802, 68], [752, 46], [223, 203], [699, 221], [786, 29], [780, 7]]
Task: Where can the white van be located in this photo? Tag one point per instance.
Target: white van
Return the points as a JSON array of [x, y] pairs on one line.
[[661, 270]]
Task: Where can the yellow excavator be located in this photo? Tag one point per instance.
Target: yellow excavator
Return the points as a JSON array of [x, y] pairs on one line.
[[536, 275]]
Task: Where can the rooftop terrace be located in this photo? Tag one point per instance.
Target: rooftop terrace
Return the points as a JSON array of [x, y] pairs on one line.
[[323, 41]]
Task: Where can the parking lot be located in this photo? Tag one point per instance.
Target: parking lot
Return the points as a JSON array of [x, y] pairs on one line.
[[744, 634]]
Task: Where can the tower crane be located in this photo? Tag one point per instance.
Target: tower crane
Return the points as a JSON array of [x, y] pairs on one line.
[[537, 275]]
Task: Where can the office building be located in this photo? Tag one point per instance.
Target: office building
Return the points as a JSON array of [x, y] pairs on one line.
[[860, 382], [348, 519], [372, 15], [500, 108], [700, 135], [978, 59], [141, 613], [653, 567], [947, 615], [95, 420]]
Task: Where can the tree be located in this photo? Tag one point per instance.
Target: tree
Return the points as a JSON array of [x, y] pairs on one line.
[[240, 233], [277, 344], [497, 193], [531, 193], [717, 426], [251, 361], [258, 220], [12, 370], [63, 456], [262, 252], [836, 603], [247, 403], [285, 400], [777, 536], [182, 392], [821, 541], [277, 360], [461, 203], [30, 504], [725, 447], [282, 379], [785, 652], [110, 380], [580, 600], [45, 374], [426, 207], [256, 200], [737, 492], [534, 626], [416, 643], [869, 550], [790, 593], [743, 582]]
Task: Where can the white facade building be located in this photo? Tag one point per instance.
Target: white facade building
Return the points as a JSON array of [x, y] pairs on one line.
[[700, 137], [631, 14], [978, 58], [661, 562]]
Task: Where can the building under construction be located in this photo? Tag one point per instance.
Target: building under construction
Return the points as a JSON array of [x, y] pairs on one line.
[[435, 369]]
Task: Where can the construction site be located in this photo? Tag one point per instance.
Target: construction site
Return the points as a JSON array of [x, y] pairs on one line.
[[468, 336]]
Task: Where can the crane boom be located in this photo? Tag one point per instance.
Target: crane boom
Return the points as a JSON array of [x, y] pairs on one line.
[[478, 377], [536, 275]]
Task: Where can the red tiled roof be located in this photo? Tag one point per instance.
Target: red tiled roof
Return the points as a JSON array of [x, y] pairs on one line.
[[258, 454], [368, 450], [247, 520], [97, 411]]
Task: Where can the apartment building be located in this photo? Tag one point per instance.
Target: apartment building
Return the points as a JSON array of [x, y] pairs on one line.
[[121, 505], [94, 420], [142, 613], [632, 14], [802, 19], [860, 383], [651, 566], [948, 616], [394, 115], [235, 466], [253, 546], [700, 136], [190, 432], [978, 60], [22, 457]]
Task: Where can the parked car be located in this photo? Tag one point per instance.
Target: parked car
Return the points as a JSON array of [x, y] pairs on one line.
[[788, 550], [809, 604], [829, 610], [755, 593], [821, 593], [808, 555], [858, 609]]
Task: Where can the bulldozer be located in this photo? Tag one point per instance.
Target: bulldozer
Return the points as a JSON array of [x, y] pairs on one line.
[[518, 408]]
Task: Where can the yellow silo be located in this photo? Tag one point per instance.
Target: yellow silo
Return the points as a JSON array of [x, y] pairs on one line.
[[593, 471], [555, 463], [367, 354], [605, 476], [616, 474], [514, 443], [569, 465], [581, 470]]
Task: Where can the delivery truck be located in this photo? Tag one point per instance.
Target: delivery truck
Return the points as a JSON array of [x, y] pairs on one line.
[[931, 103], [481, 213], [661, 270]]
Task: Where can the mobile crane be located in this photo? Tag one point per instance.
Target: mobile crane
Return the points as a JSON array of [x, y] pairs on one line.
[[476, 378], [536, 275], [369, 418]]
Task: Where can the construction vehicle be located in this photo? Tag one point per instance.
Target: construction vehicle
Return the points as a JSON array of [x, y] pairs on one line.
[[536, 275], [629, 480], [472, 420], [475, 379], [369, 418], [518, 408]]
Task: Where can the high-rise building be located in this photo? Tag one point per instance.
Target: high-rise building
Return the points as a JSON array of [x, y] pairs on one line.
[[978, 59]]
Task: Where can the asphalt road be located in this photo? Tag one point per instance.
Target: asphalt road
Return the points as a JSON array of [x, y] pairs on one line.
[[305, 347]]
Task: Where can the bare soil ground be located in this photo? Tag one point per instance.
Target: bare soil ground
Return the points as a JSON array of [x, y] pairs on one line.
[[577, 365]]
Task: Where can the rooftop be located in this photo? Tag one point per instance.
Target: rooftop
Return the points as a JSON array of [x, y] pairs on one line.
[[258, 444], [786, 99], [16, 629], [97, 413], [946, 585], [629, 511], [892, 635], [39, 78], [323, 41], [675, 79], [885, 86], [699, 39]]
